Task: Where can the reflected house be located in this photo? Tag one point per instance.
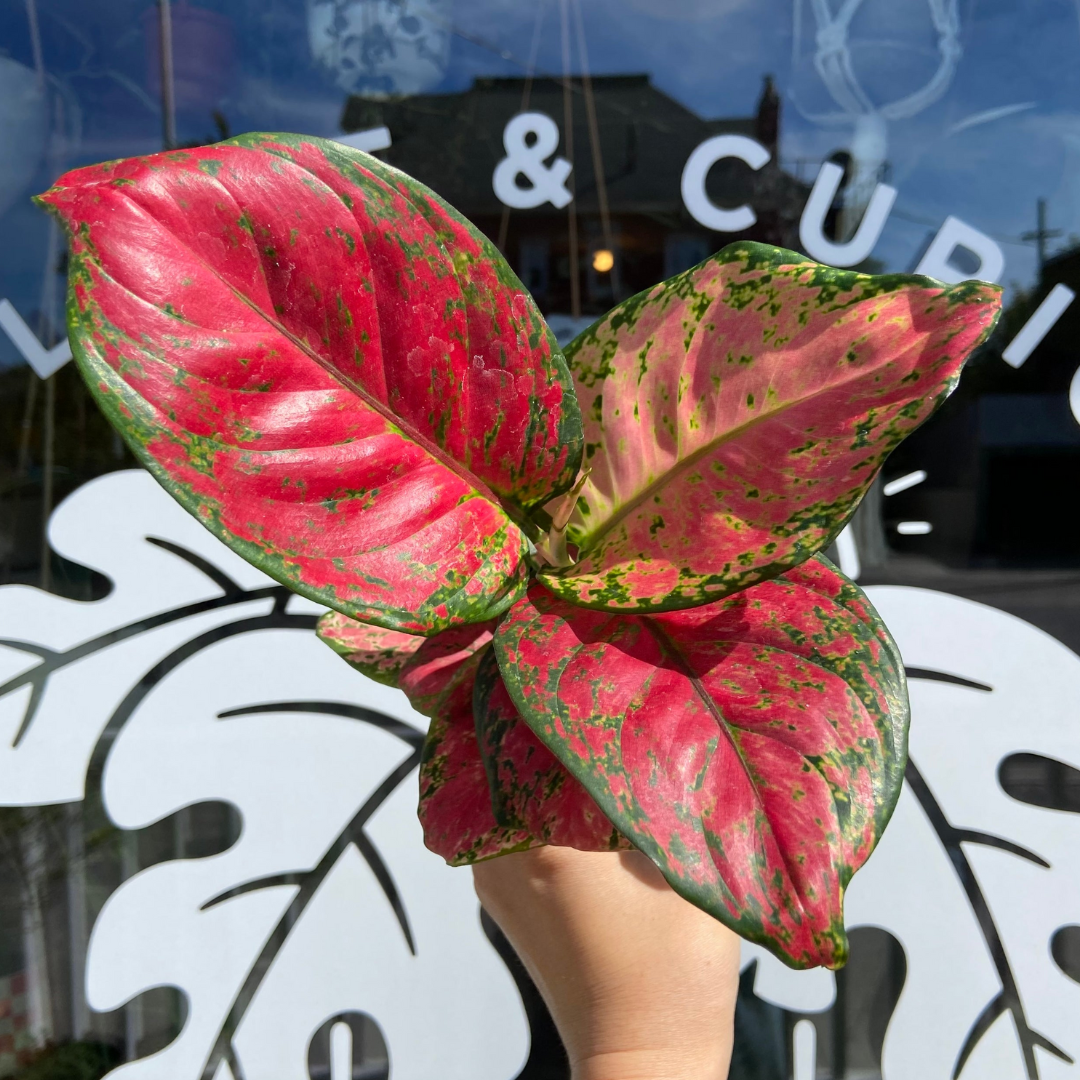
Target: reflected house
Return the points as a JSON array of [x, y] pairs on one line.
[[453, 143]]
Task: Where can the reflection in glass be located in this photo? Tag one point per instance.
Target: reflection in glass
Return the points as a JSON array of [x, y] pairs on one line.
[[381, 47], [968, 110]]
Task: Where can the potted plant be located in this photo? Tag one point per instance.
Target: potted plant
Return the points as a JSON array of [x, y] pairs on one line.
[[598, 572]]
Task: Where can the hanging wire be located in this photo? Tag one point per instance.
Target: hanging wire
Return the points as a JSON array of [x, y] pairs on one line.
[[568, 129], [47, 335], [597, 156], [35, 42], [168, 83], [506, 54], [796, 34], [48, 469], [22, 465], [534, 51], [526, 93]]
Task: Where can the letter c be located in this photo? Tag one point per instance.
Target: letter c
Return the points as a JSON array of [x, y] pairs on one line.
[[697, 167]]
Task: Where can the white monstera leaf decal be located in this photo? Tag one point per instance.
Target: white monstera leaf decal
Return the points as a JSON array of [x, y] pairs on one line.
[[977, 885], [199, 680]]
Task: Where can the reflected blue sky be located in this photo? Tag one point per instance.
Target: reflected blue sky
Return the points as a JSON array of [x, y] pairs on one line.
[[1004, 131]]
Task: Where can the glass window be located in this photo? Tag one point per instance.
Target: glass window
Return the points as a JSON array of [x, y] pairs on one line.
[[605, 145]]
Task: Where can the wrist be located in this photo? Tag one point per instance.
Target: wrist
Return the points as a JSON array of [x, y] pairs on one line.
[[655, 1063]]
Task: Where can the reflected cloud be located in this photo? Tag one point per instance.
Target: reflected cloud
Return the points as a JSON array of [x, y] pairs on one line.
[[989, 115], [266, 105], [23, 129]]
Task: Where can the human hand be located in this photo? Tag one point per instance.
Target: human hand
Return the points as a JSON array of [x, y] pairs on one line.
[[641, 984]]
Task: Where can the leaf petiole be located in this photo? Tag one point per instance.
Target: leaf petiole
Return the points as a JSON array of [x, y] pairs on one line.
[[553, 548]]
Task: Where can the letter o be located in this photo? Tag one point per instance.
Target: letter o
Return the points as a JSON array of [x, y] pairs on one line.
[[697, 167]]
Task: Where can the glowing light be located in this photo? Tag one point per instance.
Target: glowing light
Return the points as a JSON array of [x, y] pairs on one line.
[[602, 261], [914, 528]]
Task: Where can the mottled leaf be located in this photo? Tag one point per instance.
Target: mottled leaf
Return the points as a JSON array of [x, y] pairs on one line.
[[455, 801], [736, 414], [752, 747], [437, 674], [532, 792], [423, 667], [455, 805], [377, 653], [327, 366], [506, 793], [503, 401]]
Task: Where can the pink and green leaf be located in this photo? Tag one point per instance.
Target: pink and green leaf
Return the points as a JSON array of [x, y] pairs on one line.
[[437, 674], [287, 343], [478, 798], [344, 381], [504, 403], [752, 747], [423, 667], [379, 654], [531, 791], [736, 414], [455, 805]]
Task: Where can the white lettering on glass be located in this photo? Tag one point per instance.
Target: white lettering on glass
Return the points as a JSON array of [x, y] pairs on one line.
[[547, 182], [341, 1052], [804, 1038], [1039, 325], [700, 207], [902, 483], [955, 234], [848, 552], [369, 140], [811, 226], [44, 361]]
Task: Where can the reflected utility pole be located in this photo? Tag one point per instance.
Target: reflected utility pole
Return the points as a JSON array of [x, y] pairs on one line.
[[1040, 235]]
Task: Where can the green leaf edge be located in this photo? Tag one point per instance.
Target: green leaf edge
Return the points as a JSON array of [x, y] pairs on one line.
[[136, 423], [757, 256], [700, 898]]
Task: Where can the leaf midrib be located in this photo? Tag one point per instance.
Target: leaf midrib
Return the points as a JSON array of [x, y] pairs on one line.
[[692, 459], [673, 652], [516, 515]]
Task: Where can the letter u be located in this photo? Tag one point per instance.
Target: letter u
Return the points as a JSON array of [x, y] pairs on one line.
[[811, 232]]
